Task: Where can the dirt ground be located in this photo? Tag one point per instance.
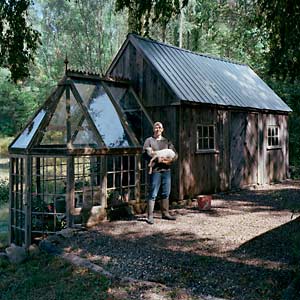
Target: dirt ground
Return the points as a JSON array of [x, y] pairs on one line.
[[244, 248]]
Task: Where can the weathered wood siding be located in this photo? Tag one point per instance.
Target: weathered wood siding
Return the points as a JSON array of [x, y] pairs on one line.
[[147, 82], [275, 161], [243, 149], [203, 172], [155, 96], [242, 156]]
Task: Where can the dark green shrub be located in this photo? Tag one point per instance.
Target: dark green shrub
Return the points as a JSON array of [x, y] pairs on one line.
[[4, 191]]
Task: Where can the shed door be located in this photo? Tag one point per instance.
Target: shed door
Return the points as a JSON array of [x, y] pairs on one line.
[[244, 149]]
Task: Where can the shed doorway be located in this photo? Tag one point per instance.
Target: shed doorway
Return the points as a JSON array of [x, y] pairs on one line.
[[244, 149]]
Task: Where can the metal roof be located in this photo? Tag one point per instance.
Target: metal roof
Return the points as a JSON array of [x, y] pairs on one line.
[[200, 78]]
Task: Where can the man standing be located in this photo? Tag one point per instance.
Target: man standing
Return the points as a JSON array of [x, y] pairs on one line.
[[161, 173]]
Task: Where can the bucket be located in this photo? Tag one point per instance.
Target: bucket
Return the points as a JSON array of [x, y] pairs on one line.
[[204, 202]]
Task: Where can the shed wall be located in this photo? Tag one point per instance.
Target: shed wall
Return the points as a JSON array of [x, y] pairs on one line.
[[156, 97], [275, 159], [242, 157]]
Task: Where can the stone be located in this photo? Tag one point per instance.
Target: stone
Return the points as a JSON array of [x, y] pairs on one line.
[[66, 233], [54, 239], [33, 250], [16, 254], [48, 247]]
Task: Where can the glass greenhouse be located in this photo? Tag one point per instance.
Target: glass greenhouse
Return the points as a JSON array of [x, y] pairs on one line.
[[78, 156]]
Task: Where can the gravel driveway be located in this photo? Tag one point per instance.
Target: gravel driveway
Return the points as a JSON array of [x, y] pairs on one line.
[[243, 248]]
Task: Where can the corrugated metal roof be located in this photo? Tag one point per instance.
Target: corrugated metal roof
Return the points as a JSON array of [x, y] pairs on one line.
[[199, 78]]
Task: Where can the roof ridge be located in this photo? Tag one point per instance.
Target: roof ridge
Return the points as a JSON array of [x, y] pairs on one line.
[[210, 56]]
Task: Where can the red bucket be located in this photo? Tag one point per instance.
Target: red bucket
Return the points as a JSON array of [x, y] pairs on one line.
[[204, 202]]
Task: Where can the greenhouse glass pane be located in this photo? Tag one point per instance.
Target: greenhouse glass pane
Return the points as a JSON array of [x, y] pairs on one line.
[[137, 119], [134, 119], [85, 90], [56, 131], [26, 136], [117, 92], [128, 101], [107, 121], [85, 137], [81, 134]]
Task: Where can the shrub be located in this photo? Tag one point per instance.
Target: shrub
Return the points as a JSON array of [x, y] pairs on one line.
[[4, 143], [4, 191]]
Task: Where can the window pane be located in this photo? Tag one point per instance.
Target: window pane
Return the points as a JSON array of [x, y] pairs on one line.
[[84, 137], [134, 119], [56, 132], [211, 143], [200, 131], [107, 121], [85, 90], [205, 143], [128, 101], [211, 131], [273, 138], [117, 92], [26, 136], [269, 141], [205, 131], [201, 144]]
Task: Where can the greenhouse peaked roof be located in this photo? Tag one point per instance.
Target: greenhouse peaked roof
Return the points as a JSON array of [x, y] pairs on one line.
[[86, 113]]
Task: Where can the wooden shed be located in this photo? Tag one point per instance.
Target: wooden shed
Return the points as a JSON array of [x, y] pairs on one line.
[[228, 125]]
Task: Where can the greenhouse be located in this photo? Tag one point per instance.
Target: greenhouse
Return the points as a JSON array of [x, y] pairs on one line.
[[79, 156]]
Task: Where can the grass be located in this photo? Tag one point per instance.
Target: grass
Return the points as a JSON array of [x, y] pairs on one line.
[[48, 278]]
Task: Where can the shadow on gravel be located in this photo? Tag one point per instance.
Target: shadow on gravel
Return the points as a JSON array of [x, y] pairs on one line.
[[262, 200], [153, 258], [172, 258], [282, 244]]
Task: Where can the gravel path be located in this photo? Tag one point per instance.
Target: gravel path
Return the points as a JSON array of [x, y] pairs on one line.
[[241, 249]]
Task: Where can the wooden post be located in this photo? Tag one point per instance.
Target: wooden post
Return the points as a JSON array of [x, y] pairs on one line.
[[70, 190], [137, 172], [27, 203], [11, 197], [260, 152]]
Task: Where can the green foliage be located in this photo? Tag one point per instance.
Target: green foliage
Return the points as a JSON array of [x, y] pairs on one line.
[[17, 105], [290, 93], [281, 21], [4, 143], [143, 14], [3, 226], [47, 277], [222, 29], [90, 27], [18, 40], [4, 191]]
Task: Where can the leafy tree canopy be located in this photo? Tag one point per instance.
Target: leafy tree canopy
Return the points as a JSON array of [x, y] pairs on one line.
[[18, 40], [281, 19], [143, 13]]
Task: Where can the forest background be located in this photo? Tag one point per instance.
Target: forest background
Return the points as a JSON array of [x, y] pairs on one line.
[[36, 36]]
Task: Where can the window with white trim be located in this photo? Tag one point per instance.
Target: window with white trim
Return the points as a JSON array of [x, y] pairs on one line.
[[273, 136], [205, 137]]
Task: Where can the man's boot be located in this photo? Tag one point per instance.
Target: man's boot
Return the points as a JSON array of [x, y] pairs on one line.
[[164, 206], [150, 219]]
